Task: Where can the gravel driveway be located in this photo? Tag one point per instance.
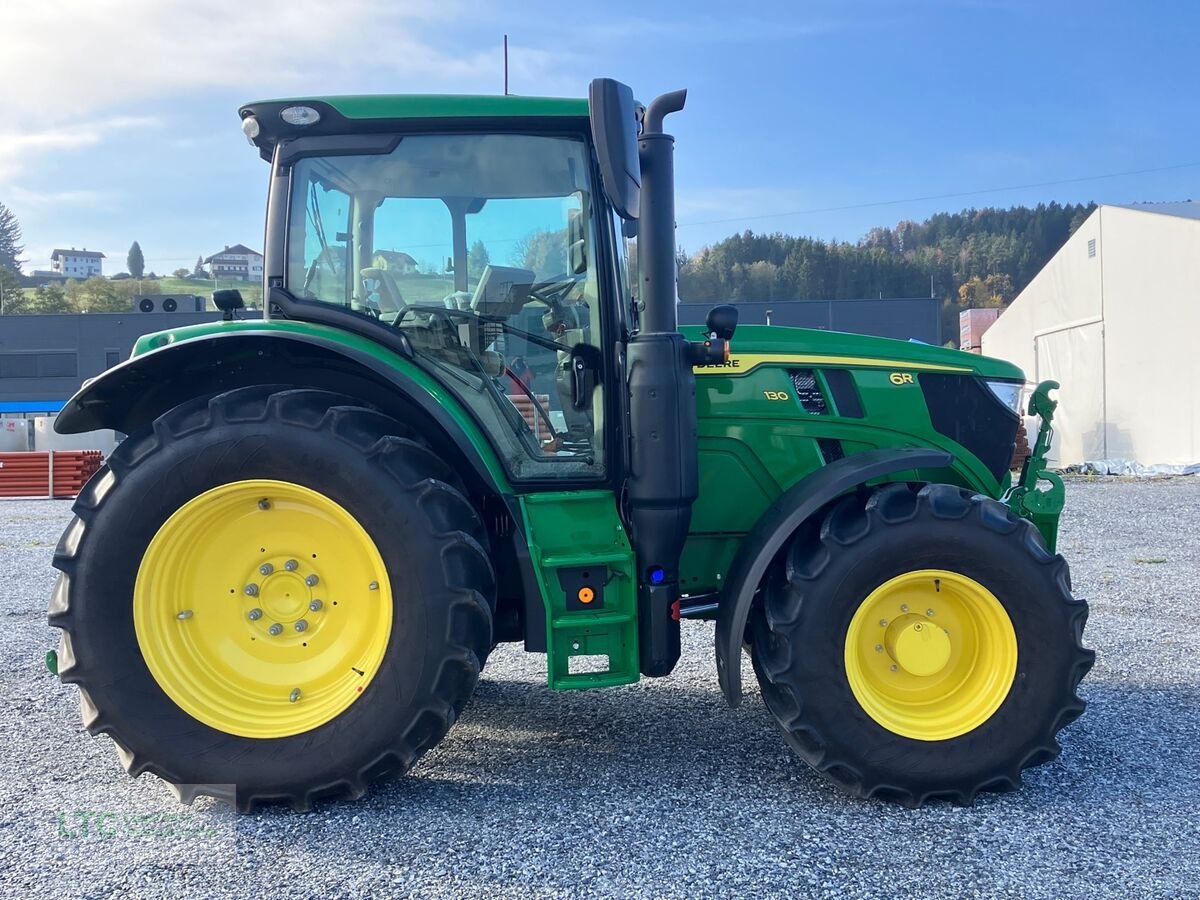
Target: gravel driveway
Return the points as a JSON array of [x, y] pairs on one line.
[[654, 789]]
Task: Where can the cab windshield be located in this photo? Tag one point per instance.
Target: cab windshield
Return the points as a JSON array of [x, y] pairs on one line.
[[480, 248]]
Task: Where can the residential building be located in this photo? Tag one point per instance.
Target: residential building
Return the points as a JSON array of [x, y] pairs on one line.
[[236, 263], [1114, 318], [76, 263]]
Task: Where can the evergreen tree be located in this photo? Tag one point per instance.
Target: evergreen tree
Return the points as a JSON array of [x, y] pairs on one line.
[[135, 261], [10, 241], [477, 258], [198, 271]]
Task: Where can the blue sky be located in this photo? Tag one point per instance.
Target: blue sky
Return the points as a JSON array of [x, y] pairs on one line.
[[804, 117]]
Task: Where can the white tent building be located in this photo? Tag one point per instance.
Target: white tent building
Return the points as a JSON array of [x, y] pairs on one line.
[[1115, 318]]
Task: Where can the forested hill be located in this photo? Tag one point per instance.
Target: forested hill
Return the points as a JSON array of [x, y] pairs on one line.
[[977, 257]]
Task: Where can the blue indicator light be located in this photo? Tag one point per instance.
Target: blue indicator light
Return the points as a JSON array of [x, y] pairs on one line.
[[657, 575]]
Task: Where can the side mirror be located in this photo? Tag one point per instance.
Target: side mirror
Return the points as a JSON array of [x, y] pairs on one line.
[[614, 132], [576, 242], [228, 301], [722, 321]]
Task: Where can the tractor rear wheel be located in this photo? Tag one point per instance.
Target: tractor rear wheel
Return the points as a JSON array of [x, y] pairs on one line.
[[273, 596], [920, 643]]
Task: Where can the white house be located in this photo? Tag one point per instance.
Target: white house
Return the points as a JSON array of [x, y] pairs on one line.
[[1115, 318], [236, 263], [76, 263]]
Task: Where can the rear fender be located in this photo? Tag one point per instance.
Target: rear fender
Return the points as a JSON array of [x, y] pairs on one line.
[[133, 394], [778, 523]]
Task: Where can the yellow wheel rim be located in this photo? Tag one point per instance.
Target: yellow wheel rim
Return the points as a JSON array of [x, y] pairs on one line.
[[262, 608], [931, 654]]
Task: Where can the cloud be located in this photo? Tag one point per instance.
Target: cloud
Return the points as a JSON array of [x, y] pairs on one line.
[[17, 144], [87, 54], [28, 199], [75, 58]]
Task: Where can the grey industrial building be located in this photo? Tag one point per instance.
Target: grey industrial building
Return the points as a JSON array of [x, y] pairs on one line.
[[44, 358]]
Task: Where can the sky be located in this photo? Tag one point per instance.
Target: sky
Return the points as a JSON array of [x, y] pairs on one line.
[[814, 117]]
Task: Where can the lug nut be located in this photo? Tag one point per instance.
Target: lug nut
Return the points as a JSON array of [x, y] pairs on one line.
[[294, 695], [883, 623], [275, 629], [929, 612], [903, 607], [373, 586], [184, 614], [251, 590], [301, 625], [291, 565], [894, 668], [264, 504], [314, 605], [254, 615], [879, 648], [311, 580], [266, 569]]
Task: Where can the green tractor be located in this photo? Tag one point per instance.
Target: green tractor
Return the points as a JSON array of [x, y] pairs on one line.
[[466, 415]]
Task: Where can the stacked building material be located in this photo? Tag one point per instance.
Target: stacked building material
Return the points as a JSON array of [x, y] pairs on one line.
[[59, 473]]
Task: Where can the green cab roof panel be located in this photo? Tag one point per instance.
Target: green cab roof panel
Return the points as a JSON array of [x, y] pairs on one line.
[[442, 106]]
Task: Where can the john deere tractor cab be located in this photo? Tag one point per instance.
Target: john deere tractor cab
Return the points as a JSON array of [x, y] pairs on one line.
[[467, 415]]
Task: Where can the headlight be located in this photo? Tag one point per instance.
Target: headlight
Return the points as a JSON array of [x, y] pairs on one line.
[[1008, 393], [250, 128]]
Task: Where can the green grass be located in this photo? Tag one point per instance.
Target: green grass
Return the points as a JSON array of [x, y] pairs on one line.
[[251, 290]]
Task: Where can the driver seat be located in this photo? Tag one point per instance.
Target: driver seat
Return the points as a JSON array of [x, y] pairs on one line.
[[381, 284]]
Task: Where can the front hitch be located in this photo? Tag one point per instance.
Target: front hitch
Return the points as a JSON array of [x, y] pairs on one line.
[[1041, 507]]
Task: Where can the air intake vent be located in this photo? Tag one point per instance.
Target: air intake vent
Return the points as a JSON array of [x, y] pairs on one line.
[[808, 392]]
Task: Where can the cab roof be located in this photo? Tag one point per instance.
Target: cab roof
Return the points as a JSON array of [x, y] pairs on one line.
[[378, 112], [438, 106]]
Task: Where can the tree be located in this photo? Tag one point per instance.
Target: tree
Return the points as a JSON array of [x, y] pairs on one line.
[[49, 298], [12, 297], [181, 273], [96, 295], [545, 252], [10, 241], [198, 269], [477, 259], [135, 261]]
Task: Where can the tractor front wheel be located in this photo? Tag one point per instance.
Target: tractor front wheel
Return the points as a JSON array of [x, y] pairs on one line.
[[273, 596], [920, 643]]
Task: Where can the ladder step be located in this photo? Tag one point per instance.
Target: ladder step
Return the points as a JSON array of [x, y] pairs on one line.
[[585, 559], [586, 619]]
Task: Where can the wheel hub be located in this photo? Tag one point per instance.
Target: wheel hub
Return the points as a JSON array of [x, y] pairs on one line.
[[918, 647], [283, 597]]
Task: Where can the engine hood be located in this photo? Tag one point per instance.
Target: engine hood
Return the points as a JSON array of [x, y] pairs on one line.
[[755, 344]]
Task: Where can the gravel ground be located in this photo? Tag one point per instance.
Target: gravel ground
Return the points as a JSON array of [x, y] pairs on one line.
[[654, 789]]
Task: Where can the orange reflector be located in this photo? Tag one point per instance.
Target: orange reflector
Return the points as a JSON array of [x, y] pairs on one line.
[[727, 351], [586, 595]]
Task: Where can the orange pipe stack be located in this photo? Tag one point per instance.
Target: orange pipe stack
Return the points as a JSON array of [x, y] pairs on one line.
[[29, 474]]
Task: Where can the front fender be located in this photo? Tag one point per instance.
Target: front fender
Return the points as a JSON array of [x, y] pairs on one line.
[[777, 524], [133, 394]]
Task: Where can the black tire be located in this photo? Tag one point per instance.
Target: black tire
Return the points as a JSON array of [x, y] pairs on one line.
[[433, 546], [799, 631]]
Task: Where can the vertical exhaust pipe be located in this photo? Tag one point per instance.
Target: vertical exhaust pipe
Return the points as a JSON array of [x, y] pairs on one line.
[[664, 480]]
